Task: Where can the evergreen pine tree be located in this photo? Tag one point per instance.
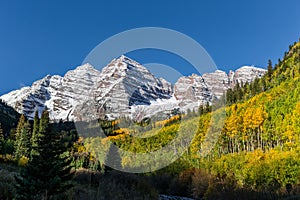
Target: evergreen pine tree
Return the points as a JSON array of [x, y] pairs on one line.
[[238, 92], [246, 89], [201, 110], [270, 68], [264, 84], [48, 172], [22, 144], [20, 125], [1, 139], [1, 133], [207, 107], [34, 137], [255, 87], [229, 96]]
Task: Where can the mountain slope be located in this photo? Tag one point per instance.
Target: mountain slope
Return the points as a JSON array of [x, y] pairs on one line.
[[123, 88], [8, 118], [259, 145], [123, 84], [56, 93]]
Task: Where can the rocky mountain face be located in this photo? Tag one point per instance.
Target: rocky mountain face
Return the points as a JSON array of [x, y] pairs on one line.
[[192, 91], [123, 84], [58, 94], [123, 88], [195, 90]]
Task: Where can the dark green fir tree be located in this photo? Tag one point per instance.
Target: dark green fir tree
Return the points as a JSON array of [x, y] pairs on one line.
[[1, 139], [22, 144], [47, 175], [270, 68], [35, 134]]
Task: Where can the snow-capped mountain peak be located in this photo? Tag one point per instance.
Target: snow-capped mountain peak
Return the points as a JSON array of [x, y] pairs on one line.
[[85, 67], [123, 87]]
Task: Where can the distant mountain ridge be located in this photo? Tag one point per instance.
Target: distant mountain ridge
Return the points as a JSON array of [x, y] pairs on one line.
[[122, 88]]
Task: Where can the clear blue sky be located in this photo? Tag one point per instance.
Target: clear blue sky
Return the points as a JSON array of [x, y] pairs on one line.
[[52, 37]]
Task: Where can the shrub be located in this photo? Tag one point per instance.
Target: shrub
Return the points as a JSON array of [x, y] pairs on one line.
[[201, 180], [7, 182], [23, 161]]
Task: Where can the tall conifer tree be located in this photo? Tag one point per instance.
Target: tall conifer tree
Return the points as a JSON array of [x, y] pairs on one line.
[[48, 173], [270, 68], [35, 134], [22, 144], [1, 139]]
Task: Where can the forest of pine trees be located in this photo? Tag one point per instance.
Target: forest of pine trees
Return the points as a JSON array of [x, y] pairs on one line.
[[40, 149]]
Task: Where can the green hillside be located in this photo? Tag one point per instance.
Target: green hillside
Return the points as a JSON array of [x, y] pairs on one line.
[[257, 150]]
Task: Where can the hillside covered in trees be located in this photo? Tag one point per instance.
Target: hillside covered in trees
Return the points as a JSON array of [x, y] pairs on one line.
[[254, 153], [258, 148]]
